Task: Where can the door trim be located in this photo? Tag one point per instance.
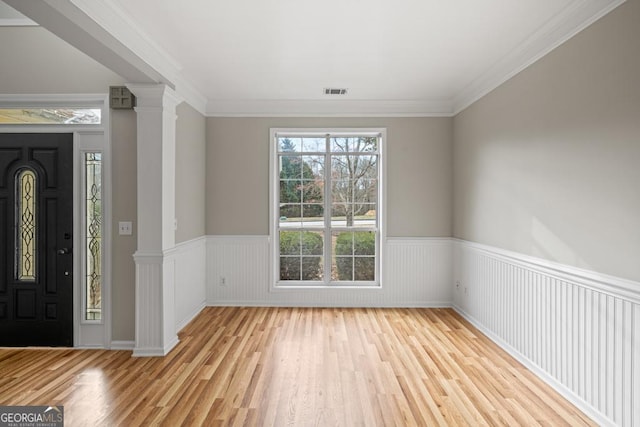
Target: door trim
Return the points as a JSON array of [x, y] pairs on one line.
[[86, 138]]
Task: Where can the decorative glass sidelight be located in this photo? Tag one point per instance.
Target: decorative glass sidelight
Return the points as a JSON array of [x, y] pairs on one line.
[[93, 248], [26, 226]]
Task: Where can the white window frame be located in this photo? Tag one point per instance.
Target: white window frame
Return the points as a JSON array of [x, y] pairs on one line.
[[274, 185], [86, 138]]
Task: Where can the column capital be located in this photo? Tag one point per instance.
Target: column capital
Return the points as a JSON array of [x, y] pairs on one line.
[[154, 95]]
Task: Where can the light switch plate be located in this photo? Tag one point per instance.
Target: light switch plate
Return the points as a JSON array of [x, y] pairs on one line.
[[125, 228]]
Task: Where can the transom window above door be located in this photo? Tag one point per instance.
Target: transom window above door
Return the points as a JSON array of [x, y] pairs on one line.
[[326, 207], [50, 116]]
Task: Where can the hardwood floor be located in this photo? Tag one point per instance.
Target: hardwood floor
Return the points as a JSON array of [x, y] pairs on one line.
[[298, 367]]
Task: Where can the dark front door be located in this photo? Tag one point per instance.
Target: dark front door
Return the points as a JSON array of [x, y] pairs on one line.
[[36, 240]]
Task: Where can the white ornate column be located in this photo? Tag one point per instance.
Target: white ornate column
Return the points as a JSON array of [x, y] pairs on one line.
[[155, 282]]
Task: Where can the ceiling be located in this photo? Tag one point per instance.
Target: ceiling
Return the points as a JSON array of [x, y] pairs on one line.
[[395, 57]]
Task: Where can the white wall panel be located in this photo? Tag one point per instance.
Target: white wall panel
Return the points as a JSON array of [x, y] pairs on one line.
[[189, 260], [416, 272], [575, 328], [149, 330]]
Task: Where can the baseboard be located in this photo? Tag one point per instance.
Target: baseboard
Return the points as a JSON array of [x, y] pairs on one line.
[[122, 345], [155, 351], [307, 304]]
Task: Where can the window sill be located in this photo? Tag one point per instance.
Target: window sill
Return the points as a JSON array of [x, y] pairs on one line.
[[296, 286]]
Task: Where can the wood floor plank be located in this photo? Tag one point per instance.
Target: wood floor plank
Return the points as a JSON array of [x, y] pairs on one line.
[[294, 366]]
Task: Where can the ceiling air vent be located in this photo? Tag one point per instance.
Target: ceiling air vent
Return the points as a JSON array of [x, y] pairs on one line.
[[335, 91]]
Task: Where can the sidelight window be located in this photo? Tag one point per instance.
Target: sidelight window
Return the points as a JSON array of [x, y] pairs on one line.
[[93, 236]]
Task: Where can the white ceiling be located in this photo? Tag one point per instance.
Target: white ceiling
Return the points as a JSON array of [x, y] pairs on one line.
[[396, 57]]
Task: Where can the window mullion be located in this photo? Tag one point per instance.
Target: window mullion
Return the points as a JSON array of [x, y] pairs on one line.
[[327, 210]]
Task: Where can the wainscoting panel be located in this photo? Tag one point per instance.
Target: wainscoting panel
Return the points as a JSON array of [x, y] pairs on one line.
[[577, 329], [420, 270], [417, 273], [149, 316], [189, 260]]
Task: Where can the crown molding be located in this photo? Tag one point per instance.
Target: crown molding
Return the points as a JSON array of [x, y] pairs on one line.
[[329, 108], [142, 54], [191, 95], [577, 16]]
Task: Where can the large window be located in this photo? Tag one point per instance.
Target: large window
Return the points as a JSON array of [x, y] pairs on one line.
[[326, 207]]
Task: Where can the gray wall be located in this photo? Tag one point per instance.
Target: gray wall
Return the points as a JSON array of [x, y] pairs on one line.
[[124, 200], [35, 61], [419, 173], [547, 164], [190, 173]]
